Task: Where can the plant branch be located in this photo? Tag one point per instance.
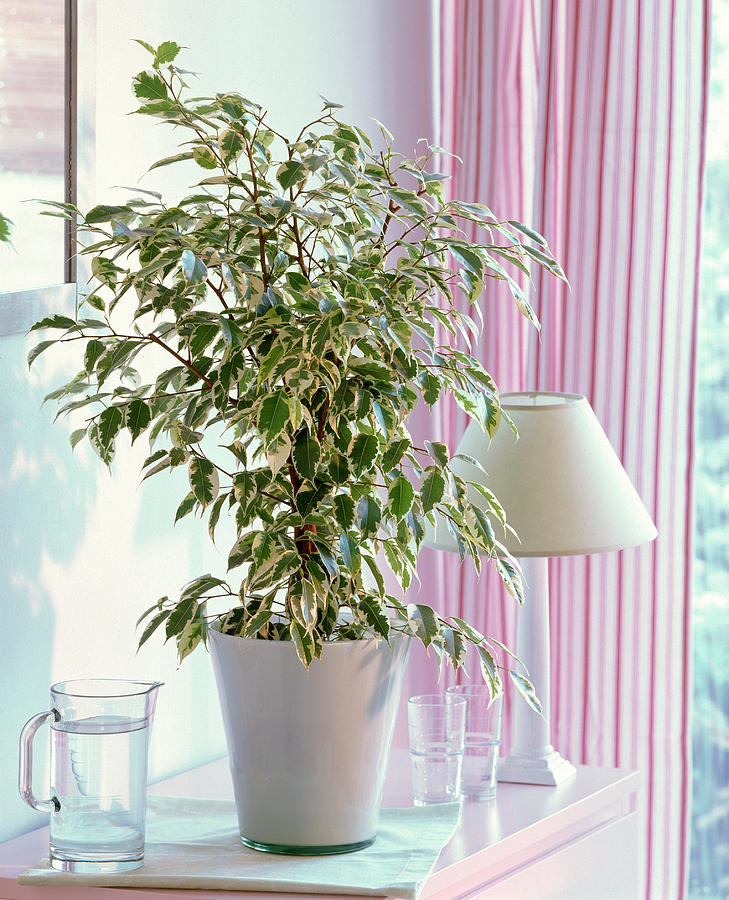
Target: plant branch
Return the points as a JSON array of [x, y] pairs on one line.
[[218, 292], [185, 363], [323, 418], [305, 547], [300, 248], [257, 205]]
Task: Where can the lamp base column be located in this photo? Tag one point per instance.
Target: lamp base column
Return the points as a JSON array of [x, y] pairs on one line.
[[551, 769]]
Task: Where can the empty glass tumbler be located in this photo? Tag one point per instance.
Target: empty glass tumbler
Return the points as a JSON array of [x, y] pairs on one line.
[[482, 740], [436, 727], [99, 741]]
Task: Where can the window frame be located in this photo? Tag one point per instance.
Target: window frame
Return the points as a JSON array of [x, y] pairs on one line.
[[20, 309]]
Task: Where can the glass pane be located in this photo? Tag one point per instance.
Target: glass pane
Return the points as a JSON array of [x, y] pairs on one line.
[[32, 104], [709, 871]]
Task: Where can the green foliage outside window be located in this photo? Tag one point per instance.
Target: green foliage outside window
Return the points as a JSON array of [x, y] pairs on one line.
[[709, 869]]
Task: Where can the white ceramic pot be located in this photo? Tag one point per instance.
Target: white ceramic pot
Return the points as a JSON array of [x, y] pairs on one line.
[[308, 750]]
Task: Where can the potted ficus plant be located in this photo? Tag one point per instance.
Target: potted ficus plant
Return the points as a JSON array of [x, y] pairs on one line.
[[294, 308]]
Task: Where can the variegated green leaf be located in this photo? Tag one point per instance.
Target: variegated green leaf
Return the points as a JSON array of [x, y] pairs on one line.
[[94, 349], [307, 453], [153, 624], [193, 267], [368, 515], [454, 647], [183, 612], [376, 618], [338, 468], [438, 451], [394, 453], [375, 572], [526, 689], [186, 507], [304, 604], [303, 643], [423, 622], [244, 488], [511, 578], [489, 669], [256, 622], [204, 157], [37, 350], [231, 145], [263, 548], [274, 415], [204, 480], [149, 86], [350, 552], [215, 510], [432, 489], [290, 173], [400, 497], [138, 417], [110, 423], [362, 453], [343, 506], [190, 636]]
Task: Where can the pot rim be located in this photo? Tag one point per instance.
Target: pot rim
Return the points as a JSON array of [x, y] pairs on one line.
[[398, 636]]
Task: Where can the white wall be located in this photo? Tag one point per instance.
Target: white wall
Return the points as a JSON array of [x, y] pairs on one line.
[[82, 554]]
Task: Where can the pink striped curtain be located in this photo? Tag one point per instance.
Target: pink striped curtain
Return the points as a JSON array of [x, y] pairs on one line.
[[586, 118], [488, 102]]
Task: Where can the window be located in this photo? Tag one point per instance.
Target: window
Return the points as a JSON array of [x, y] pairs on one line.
[[709, 870], [39, 143]]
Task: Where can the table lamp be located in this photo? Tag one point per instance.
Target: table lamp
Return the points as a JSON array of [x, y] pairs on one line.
[[565, 493]]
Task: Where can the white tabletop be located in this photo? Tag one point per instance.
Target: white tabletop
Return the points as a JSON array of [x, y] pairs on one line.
[[493, 836]]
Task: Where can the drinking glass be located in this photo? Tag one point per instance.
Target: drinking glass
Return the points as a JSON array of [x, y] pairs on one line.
[[482, 740], [436, 726], [99, 740]]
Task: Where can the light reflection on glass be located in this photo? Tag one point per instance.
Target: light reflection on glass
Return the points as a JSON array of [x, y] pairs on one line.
[[32, 101]]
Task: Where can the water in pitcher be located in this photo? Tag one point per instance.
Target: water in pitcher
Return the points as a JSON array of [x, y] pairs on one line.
[[98, 768]]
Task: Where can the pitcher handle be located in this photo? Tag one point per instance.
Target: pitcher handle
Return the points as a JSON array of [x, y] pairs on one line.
[[25, 776]]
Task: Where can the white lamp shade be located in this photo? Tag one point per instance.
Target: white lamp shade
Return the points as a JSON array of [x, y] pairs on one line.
[[560, 482]]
